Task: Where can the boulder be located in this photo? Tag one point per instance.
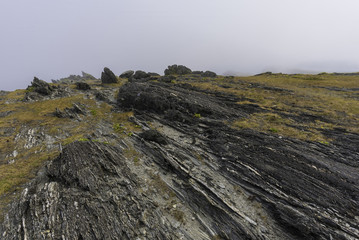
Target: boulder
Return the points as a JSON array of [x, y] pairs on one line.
[[83, 86], [108, 76], [141, 74], [127, 74], [177, 70], [209, 74], [153, 74]]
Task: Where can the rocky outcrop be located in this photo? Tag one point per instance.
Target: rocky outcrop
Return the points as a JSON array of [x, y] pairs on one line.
[[88, 192], [87, 76], [127, 74], [39, 90], [265, 73], [140, 75], [40, 87], [189, 175], [301, 189], [107, 76], [74, 78], [209, 74], [177, 70], [74, 112]]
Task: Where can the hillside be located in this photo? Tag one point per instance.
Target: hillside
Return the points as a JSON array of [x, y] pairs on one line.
[[188, 155]]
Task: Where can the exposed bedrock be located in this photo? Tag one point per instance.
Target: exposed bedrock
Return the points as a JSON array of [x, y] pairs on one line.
[[189, 175]]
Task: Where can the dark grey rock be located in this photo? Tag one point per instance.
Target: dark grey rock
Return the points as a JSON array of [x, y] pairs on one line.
[[101, 96], [39, 90], [87, 76], [74, 112], [141, 75], [168, 78], [209, 74], [40, 86], [177, 70], [88, 192], [192, 177], [5, 114], [197, 72], [6, 131], [265, 73], [127, 74], [83, 86], [285, 175], [154, 136], [108, 76]]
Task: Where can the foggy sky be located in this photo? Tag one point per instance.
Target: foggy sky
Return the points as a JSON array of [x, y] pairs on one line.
[[52, 39]]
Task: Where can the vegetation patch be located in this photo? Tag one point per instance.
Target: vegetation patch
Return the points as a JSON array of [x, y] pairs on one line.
[[275, 124], [331, 99]]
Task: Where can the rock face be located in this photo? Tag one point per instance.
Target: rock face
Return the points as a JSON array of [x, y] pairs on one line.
[[301, 187], [108, 76], [88, 192], [41, 87], [177, 70], [189, 175], [74, 112]]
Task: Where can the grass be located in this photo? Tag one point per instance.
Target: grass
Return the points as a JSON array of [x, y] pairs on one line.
[[275, 124], [12, 176], [197, 115], [294, 95], [39, 116], [122, 125]]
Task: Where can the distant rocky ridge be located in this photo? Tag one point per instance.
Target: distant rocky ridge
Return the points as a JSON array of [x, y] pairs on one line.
[[75, 78]]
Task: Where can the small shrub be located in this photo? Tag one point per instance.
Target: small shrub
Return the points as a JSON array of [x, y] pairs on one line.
[[117, 127], [273, 130], [197, 115], [30, 89], [93, 112]]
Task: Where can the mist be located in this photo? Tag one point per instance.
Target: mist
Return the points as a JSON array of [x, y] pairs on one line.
[[53, 39]]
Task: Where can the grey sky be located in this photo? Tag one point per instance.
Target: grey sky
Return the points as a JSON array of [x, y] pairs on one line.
[[52, 39]]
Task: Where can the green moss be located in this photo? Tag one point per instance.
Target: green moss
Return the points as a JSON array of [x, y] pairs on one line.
[[83, 140], [30, 89], [93, 112], [118, 127], [274, 130]]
